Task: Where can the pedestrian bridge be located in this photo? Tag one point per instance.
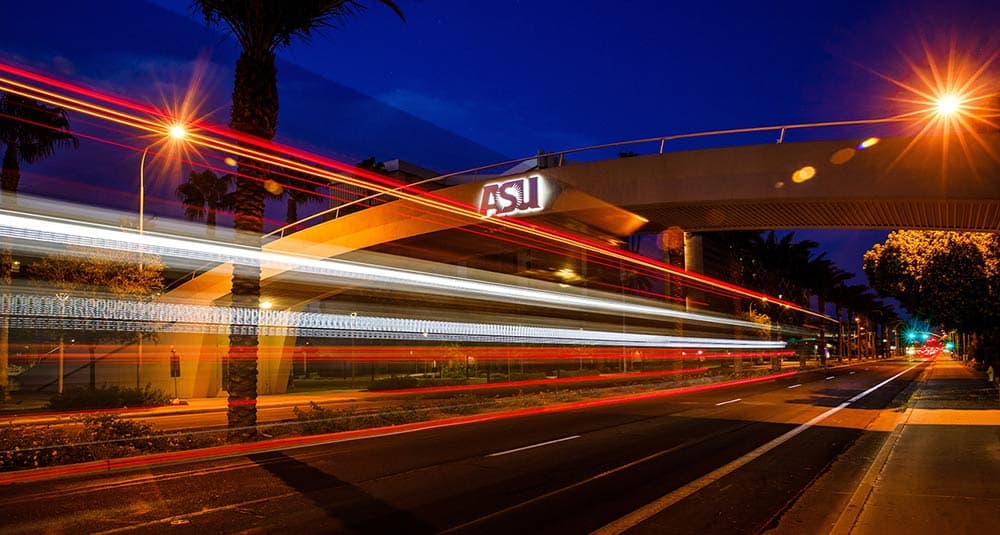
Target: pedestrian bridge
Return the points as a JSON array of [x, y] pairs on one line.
[[896, 183]]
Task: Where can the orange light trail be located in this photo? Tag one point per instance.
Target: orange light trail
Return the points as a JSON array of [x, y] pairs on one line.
[[265, 152]]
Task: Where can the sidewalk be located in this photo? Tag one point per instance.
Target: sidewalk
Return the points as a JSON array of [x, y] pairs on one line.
[[937, 472]]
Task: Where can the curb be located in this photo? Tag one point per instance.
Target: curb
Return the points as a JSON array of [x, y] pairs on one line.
[[852, 511]]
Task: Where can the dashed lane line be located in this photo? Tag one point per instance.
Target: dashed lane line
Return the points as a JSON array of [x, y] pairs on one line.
[[533, 446]]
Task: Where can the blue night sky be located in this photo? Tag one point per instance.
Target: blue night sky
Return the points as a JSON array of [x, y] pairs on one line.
[[514, 77]]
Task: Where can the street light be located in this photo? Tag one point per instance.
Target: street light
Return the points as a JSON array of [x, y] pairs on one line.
[[948, 105], [175, 132]]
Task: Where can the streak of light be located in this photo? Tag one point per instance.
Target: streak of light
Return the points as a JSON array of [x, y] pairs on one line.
[[265, 152], [47, 230], [500, 353], [45, 311]]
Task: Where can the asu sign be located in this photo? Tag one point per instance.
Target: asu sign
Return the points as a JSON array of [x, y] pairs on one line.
[[518, 196]]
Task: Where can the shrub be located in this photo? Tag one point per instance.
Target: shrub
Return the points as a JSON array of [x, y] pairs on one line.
[[108, 397], [393, 383], [109, 436], [465, 404], [28, 447], [317, 420], [99, 437]]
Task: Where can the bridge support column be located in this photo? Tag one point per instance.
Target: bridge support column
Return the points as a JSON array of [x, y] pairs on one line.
[[672, 241], [694, 261]]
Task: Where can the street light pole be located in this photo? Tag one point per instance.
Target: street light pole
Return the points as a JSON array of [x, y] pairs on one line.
[[175, 132], [142, 218], [62, 296], [142, 193]]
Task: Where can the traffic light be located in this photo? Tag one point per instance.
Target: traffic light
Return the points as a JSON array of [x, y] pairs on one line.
[[911, 336], [949, 345]]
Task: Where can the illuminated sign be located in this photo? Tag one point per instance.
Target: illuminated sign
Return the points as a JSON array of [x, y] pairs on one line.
[[518, 196]]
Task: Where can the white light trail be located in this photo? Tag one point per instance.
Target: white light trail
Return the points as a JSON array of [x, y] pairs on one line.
[[48, 230], [50, 312]]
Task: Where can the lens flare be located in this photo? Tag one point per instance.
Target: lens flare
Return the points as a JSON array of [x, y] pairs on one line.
[[952, 98], [803, 174], [868, 143]]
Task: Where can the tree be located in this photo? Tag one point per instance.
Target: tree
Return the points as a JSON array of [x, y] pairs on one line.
[[203, 194], [30, 131], [785, 265], [951, 279], [261, 27], [89, 272], [299, 188]]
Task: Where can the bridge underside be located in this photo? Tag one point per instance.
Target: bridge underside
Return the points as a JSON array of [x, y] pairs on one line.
[[896, 183], [951, 214]]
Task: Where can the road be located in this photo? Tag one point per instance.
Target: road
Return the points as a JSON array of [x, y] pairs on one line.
[[727, 460]]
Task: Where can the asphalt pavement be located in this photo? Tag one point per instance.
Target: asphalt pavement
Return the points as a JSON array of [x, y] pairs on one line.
[[932, 468], [727, 460]]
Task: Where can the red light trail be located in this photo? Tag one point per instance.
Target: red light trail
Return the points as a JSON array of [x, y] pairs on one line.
[[155, 122]]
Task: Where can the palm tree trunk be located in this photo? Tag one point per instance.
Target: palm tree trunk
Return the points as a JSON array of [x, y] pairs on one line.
[[821, 305], [11, 172], [840, 333], [255, 112], [292, 211]]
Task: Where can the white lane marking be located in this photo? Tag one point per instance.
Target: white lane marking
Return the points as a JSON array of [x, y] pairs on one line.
[[591, 479], [852, 373], [831, 377], [649, 510], [796, 385], [728, 402], [540, 444]]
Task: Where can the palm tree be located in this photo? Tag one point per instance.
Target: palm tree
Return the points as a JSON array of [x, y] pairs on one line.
[[30, 131], [853, 299], [783, 264], [299, 188], [204, 194], [827, 277], [261, 27]]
